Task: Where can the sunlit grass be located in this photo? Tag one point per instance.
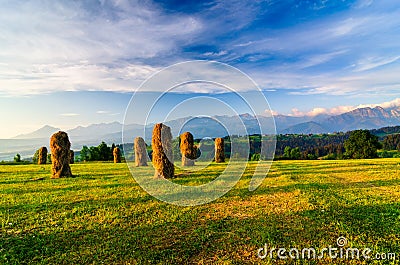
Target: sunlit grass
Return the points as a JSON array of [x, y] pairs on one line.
[[103, 216]]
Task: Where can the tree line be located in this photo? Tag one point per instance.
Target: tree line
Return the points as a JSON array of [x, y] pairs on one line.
[[102, 152], [353, 144]]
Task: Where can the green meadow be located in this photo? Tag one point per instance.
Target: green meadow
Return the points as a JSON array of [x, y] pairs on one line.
[[102, 216]]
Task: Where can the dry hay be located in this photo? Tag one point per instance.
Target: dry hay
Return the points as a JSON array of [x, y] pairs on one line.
[[162, 151], [60, 146], [117, 155], [188, 149], [42, 155], [219, 150], [140, 152], [71, 156]]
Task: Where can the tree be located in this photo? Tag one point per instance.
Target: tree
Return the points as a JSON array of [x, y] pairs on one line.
[[111, 155], [295, 153], [17, 158], [391, 142], [104, 152], [94, 154], [84, 154], [286, 152], [35, 157], [361, 144], [291, 153]]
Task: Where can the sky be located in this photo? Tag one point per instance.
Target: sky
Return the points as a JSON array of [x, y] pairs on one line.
[[70, 63]]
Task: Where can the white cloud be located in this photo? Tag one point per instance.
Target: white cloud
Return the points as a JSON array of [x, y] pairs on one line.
[[106, 112], [348, 26], [57, 45], [44, 78], [374, 62], [70, 32], [387, 104], [69, 114], [102, 112], [271, 112], [340, 109], [220, 53], [318, 59], [321, 111], [364, 3], [115, 46]]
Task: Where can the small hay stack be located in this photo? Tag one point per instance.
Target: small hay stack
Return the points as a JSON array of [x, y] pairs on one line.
[[162, 151], [188, 149], [219, 150], [71, 156], [117, 155], [60, 146], [42, 155], [140, 152]]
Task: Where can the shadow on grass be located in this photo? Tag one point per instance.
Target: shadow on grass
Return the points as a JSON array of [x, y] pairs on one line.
[[311, 188], [193, 238]]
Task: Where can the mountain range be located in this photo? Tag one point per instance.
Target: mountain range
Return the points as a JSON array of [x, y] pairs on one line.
[[361, 118]]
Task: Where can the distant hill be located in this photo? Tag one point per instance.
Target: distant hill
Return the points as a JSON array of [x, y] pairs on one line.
[[44, 132], [310, 127], [362, 118], [95, 130]]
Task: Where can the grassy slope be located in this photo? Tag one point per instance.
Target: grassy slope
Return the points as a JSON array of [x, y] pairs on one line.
[[103, 216]]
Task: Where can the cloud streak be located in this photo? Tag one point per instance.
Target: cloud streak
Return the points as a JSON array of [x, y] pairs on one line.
[[69, 114]]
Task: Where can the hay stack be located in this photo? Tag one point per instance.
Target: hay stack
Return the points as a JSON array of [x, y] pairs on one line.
[[219, 150], [117, 155], [140, 152], [188, 149], [162, 151], [60, 146], [42, 155], [71, 156]]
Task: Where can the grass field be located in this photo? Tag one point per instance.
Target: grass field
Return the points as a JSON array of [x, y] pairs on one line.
[[103, 217]]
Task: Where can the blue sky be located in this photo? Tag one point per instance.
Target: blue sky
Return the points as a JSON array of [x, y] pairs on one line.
[[69, 63]]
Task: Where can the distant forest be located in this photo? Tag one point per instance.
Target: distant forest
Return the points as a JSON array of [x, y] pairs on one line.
[[288, 146]]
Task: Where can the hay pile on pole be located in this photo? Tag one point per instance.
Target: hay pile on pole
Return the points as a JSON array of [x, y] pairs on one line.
[[71, 156], [42, 155], [162, 151], [60, 146], [188, 149], [219, 150], [140, 152], [117, 155]]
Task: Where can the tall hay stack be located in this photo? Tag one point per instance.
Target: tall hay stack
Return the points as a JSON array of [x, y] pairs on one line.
[[42, 155], [71, 156], [219, 150], [163, 162], [140, 152], [117, 155], [60, 146], [188, 149]]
